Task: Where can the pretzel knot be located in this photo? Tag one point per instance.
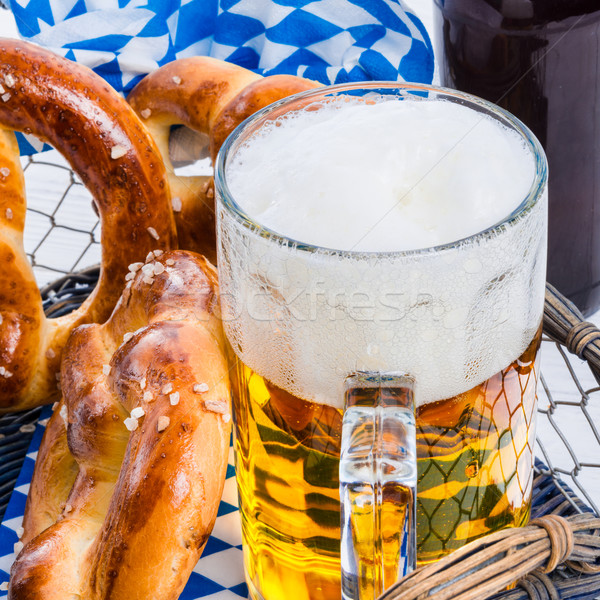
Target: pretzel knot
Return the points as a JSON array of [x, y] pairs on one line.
[[74, 110], [561, 539], [130, 472], [210, 97]]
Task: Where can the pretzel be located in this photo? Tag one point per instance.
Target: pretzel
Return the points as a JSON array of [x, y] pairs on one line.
[[211, 97], [73, 109], [141, 503]]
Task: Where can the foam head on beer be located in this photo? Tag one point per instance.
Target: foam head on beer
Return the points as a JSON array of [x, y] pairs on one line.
[[379, 177], [385, 176]]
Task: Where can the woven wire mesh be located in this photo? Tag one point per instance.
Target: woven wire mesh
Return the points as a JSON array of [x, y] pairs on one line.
[[62, 236], [568, 437], [62, 232]]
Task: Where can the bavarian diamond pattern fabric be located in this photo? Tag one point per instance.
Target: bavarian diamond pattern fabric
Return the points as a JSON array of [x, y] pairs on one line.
[[218, 575], [332, 41]]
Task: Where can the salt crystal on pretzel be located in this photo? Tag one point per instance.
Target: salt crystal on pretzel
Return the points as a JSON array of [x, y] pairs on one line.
[[118, 152], [131, 423], [153, 233], [137, 412], [162, 423]]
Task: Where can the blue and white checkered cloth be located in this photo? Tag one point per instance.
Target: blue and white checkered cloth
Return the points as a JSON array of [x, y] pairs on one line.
[[331, 41]]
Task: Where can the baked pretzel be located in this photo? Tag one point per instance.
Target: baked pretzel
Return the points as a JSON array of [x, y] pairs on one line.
[[147, 402], [73, 109], [211, 97]]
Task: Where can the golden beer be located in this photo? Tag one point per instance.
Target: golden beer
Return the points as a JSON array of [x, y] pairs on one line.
[[475, 458]]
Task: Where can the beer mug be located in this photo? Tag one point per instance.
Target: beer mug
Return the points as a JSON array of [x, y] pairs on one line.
[[384, 401]]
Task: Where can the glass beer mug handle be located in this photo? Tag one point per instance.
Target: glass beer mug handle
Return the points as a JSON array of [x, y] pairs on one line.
[[378, 478]]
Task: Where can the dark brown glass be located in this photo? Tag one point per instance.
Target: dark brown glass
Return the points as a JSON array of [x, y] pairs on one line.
[[540, 60]]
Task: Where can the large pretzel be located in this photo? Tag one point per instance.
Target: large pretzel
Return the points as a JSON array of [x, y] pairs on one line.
[[211, 97], [126, 512], [73, 109]]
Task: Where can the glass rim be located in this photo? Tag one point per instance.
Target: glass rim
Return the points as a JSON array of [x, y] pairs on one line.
[[248, 126]]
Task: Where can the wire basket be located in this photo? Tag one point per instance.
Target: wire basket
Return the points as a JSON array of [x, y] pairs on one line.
[[62, 234]]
